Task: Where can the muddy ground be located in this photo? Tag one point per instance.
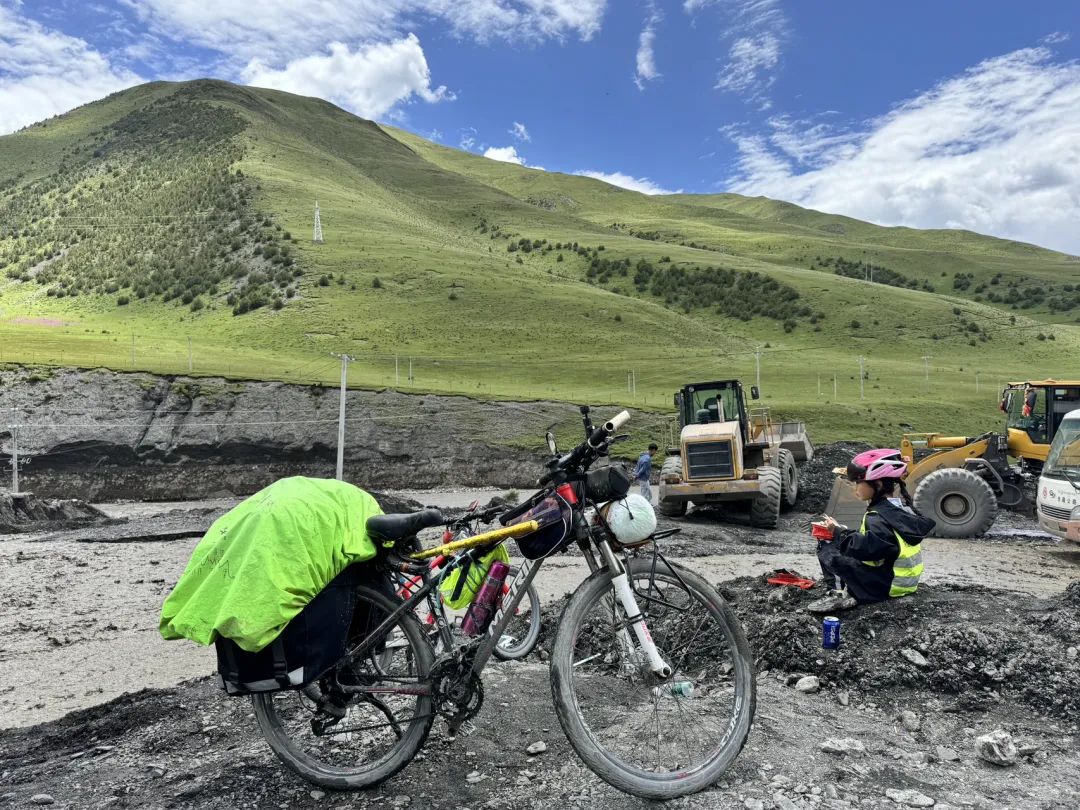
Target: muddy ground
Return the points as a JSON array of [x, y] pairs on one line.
[[81, 641]]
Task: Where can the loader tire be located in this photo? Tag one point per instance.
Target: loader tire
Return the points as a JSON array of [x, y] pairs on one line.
[[765, 508], [671, 508], [789, 478], [960, 502]]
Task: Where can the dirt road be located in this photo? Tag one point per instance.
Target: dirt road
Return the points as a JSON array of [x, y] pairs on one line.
[[83, 631]]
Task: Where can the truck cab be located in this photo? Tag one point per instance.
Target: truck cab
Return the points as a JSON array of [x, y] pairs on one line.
[[1058, 500]]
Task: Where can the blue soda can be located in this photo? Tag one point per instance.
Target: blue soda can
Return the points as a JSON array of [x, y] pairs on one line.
[[830, 633]]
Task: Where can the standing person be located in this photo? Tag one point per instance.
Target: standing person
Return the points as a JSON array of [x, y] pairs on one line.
[[643, 471], [883, 559]]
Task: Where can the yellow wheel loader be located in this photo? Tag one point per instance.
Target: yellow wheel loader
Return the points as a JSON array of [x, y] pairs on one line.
[[961, 481], [731, 453]]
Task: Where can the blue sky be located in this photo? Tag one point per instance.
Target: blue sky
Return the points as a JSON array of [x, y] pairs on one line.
[[929, 114]]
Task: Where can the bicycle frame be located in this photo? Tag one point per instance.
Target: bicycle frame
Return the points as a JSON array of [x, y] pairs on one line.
[[518, 587]]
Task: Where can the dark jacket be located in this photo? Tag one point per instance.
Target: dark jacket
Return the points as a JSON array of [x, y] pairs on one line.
[[850, 548]]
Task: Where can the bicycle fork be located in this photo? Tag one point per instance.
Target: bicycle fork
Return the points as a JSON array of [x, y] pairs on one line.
[[620, 583]]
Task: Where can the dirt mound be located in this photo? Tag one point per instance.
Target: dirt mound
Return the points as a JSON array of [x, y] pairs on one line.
[[816, 476], [25, 512], [963, 641]]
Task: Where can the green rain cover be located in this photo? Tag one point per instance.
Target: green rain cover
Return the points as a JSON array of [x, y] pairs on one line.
[[265, 559]]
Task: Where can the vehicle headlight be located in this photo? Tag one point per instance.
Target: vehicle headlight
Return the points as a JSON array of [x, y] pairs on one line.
[[1075, 514]]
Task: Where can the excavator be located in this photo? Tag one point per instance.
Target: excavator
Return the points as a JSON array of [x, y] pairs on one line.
[[962, 481]]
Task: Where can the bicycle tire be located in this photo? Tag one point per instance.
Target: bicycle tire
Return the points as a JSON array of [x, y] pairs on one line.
[[515, 652], [618, 773], [397, 757]]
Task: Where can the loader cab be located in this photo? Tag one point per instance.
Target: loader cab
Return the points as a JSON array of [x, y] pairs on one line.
[[1034, 412], [715, 403]]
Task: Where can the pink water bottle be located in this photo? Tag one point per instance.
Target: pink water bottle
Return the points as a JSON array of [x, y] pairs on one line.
[[483, 606]]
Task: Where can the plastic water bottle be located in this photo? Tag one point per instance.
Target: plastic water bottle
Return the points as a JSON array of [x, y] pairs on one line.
[[684, 689], [482, 608]]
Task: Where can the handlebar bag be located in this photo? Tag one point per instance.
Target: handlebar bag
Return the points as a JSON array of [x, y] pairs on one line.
[[608, 483], [555, 517], [311, 643]]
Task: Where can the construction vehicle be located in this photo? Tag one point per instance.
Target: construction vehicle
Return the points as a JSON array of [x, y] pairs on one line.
[[962, 481], [731, 453], [1034, 410]]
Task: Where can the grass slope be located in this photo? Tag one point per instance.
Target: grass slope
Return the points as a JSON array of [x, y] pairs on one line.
[[420, 268]]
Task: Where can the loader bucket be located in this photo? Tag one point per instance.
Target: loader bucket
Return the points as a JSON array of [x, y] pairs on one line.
[[843, 506], [792, 436]]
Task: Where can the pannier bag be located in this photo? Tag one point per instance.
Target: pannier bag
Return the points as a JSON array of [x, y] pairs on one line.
[[311, 643], [607, 483], [461, 585]]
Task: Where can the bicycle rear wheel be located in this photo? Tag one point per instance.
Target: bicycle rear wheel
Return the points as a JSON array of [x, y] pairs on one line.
[[347, 740], [521, 633], [650, 739]]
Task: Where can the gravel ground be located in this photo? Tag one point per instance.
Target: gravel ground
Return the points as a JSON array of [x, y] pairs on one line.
[[84, 633]]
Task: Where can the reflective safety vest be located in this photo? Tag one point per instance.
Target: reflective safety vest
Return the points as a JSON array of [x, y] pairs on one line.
[[907, 568]]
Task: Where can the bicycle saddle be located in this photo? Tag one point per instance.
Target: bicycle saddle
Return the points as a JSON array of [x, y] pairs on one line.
[[396, 527]]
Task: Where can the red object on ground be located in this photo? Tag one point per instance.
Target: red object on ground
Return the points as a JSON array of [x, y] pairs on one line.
[[790, 578], [821, 531]]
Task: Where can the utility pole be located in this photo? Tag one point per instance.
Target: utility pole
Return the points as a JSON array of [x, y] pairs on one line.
[[410, 370], [757, 366], [633, 379], [862, 378], [316, 233], [345, 360], [926, 369], [627, 382], [189, 354]]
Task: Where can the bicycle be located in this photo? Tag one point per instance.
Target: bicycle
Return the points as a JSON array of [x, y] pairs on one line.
[[651, 674], [522, 633]]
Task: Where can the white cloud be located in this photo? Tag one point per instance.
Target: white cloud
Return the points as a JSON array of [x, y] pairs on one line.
[[757, 31], [505, 154], [994, 150], [519, 131], [751, 61], [509, 154], [289, 29], [645, 60], [642, 184], [468, 139], [368, 81], [44, 72]]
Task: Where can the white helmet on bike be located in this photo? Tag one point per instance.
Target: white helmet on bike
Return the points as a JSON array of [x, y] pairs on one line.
[[631, 519]]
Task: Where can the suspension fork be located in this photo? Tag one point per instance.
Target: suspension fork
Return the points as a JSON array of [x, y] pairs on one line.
[[620, 583]]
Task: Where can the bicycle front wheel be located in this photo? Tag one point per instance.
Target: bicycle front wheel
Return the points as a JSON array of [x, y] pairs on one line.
[[657, 740]]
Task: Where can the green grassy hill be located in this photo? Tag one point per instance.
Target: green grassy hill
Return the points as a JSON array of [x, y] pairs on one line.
[[171, 224]]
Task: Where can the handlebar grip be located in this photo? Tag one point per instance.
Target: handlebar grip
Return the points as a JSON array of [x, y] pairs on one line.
[[617, 421]]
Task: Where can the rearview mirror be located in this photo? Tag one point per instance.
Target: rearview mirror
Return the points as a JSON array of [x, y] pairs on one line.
[[551, 443], [754, 393]]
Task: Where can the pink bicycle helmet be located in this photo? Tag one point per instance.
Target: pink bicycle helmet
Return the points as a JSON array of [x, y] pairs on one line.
[[875, 465]]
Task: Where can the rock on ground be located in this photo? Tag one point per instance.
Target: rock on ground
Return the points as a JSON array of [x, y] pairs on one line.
[[997, 747]]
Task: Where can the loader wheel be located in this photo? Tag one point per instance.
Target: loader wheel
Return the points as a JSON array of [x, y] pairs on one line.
[[765, 508], [789, 478], [670, 508], [962, 503]]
